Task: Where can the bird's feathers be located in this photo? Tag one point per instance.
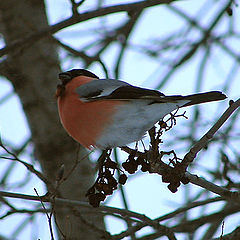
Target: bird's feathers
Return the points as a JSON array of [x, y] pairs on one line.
[[115, 90], [110, 89], [108, 113], [98, 89]]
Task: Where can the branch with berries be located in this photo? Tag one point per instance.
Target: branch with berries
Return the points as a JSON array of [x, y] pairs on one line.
[[174, 172]]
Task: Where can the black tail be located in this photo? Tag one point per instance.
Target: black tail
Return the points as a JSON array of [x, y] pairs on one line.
[[204, 97], [195, 98]]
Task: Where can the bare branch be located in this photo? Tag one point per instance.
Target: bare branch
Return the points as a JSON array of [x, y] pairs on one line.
[[84, 205], [230, 195], [189, 157], [27, 211], [27, 165], [49, 216], [77, 18]]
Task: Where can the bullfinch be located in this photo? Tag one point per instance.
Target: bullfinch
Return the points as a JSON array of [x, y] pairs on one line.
[[107, 113]]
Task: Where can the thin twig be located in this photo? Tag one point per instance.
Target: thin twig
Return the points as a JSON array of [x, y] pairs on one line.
[[67, 202], [225, 193], [28, 211], [197, 147], [77, 18], [27, 165], [49, 217]]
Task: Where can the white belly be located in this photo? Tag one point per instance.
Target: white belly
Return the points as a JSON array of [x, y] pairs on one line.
[[132, 120]]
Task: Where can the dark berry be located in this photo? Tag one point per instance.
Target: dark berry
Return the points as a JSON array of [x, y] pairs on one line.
[[131, 166], [166, 178], [172, 188], [145, 167], [107, 189], [125, 165], [112, 182], [110, 164], [93, 200], [162, 124], [99, 186], [122, 179], [140, 160], [132, 155], [107, 173], [100, 196]]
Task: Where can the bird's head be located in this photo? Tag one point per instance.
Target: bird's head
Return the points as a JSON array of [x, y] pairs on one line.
[[66, 77]]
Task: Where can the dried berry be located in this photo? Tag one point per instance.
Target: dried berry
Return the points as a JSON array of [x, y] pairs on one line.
[[107, 173], [99, 186], [112, 182], [110, 164], [100, 196], [107, 189], [93, 200], [122, 179], [166, 178], [132, 155], [162, 124], [130, 166], [145, 167], [172, 188], [125, 165], [140, 160]]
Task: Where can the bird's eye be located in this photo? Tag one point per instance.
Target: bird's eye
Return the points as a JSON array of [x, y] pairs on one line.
[[65, 77]]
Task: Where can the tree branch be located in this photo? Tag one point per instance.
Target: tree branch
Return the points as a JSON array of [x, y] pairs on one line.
[[189, 157], [124, 214], [225, 193], [77, 18]]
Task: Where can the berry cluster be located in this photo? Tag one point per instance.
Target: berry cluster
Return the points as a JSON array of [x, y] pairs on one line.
[[131, 164], [174, 180], [105, 183]]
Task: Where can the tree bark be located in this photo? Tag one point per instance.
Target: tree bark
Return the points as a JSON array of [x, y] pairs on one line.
[[33, 72]]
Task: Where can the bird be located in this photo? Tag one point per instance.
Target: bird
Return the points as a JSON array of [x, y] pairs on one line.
[[108, 113]]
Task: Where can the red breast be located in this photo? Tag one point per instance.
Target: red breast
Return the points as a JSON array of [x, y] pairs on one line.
[[84, 121]]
